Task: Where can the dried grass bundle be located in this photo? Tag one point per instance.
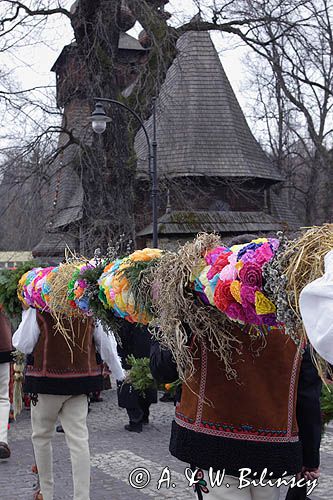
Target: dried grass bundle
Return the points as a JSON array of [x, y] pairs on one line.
[[177, 313], [303, 261], [59, 303]]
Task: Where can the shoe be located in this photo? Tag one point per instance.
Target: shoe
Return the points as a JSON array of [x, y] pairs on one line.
[[60, 429], [134, 427], [167, 398], [38, 496], [96, 399], [4, 450]]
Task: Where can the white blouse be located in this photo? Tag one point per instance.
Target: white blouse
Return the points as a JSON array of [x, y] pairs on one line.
[[26, 336], [316, 305]]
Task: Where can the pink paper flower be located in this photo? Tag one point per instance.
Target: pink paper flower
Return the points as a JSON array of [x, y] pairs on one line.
[[247, 294], [251, 274], [275, 243], [219, 264], [228, 273], [235, 312], [263, 254], [249, 256], [212, 255], [232, 259], [251, 317]]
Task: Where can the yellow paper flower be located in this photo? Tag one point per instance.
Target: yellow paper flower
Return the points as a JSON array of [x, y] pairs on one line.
[[21, 283], [235, 289], [263, 304], [260, 240], [239, 265], [198, 269], [203, 276], [145, 255], [236, 248]]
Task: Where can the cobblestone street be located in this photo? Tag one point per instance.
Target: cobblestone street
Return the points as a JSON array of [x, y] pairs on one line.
[[114, 454]]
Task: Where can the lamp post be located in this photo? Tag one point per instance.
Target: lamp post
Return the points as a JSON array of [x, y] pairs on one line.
[[99, 121]]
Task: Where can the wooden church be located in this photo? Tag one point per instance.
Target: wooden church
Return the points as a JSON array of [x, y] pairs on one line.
[[213, 174]]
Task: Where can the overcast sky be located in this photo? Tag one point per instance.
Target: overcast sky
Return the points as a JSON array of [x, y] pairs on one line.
[[32, 64]]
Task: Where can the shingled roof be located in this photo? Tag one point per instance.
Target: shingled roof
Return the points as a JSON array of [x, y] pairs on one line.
[[182, 222], [201, 129], [55, 244]]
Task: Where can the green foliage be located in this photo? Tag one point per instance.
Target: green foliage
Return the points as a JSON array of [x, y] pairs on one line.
[[326, 403], [97, 299], [9, 279], [140, 375]]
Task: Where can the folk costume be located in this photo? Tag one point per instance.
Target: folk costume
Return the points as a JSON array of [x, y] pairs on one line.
[[268, 418], [5, 358], [316, 306], [59, 375], [135, 340]]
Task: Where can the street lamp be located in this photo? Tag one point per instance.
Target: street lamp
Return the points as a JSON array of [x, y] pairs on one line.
[[99, 120]]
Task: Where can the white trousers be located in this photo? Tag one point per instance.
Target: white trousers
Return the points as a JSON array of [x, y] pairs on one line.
[[72, 412], [248, 493], [4, 401]]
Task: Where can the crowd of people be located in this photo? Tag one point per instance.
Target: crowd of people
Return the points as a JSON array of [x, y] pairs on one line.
[[264, 421]]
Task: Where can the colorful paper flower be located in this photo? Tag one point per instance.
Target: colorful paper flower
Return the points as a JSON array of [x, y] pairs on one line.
[[263, 305], [213, 255], [251, 317], [247, 294], [263, 254], [222, 296], [33, 289], [220, 263], [115, 288], [251, 274], [235, 289], [236, 312]]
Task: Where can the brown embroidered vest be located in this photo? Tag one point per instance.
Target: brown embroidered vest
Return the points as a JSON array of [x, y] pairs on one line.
[[251, 421], [61, 367], [5, 339]]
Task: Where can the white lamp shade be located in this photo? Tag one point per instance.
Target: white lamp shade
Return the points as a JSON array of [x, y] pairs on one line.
[[99, 126]]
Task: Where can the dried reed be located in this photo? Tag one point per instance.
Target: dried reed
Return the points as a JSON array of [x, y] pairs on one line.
[[179, 316], [59, 303], [303, 261]]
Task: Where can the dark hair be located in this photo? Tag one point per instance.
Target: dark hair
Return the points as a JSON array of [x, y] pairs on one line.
[[241, 238]]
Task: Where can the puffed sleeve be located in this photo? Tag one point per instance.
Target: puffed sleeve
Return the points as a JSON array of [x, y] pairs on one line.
[[316, 306]]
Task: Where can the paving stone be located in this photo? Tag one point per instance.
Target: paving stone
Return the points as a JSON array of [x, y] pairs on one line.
[[115, 453]]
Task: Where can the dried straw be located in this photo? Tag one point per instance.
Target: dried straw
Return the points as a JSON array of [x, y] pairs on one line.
[[59, 304], [303, 261], [179, 315]]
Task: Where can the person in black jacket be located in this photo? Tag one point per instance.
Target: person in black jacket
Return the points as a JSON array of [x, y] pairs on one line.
[[308, 412], [135, 340]]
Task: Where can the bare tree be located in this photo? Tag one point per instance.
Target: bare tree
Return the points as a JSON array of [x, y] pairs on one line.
[[294, 101], [293, 37]]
